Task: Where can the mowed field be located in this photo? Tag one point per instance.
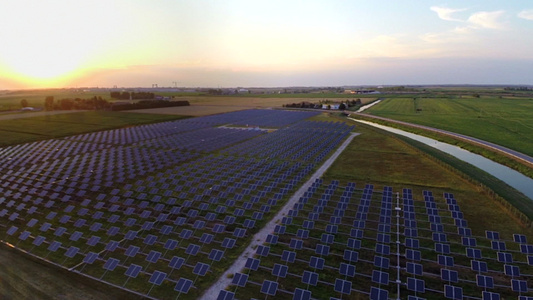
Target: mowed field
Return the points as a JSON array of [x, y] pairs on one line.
[[506, 122]]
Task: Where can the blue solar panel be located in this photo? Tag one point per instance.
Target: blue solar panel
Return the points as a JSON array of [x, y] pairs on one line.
[[310, 278], [343, 286], [446, 261], [252, 263], [320, 249], [453, 292], [492, 235], [316, 263], [54, 246], [511, 270], [269, 287], [416, 285], [192, 249], [183, 285], [240, 279], [498, 245], [442, 248], [519, 285], [200, 269], [520, 238], [378, 294], [176, 262], [473, 253], [132, 251], [280, 270], [300, 294], [526, 249], [380, 277], [414, 268], [90, 257], [153, 256], [490, 296], [150, 239], [72, 251], [479, 266], [225, 295], [39, 240], [382, 249], [449, 275], [228, 243], [288, 256], [296, 244], [170, 244], [485, 281], [111, 264], [133, 270], [216, 255], [413, 254], [111, 246], [347, 270]]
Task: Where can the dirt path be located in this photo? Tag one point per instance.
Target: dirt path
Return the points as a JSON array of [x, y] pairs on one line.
[[259, 238], [36, 114]]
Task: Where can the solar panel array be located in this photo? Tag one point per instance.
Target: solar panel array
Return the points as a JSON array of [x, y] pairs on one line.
[[341, 242], [151, 208]]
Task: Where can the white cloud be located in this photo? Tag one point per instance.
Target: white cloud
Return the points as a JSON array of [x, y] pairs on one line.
[[486, 19], [446, 13], [526, 14]]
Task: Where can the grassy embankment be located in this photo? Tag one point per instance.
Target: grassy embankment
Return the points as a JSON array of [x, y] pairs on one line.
[[505, 122]]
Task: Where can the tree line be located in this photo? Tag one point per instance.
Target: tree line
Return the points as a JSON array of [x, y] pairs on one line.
[[132, 95], [98, 103]]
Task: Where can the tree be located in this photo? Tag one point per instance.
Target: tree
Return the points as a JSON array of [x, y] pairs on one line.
[[342, 106], [24, 103], [49, 103]]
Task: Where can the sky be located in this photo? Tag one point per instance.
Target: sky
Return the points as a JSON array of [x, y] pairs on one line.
[[270, 43]]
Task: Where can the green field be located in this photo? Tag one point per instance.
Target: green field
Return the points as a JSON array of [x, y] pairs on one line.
[[45, 127], [506, 122]]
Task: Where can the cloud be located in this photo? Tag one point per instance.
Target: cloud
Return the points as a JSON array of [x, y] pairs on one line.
[[446, 13], [486, 19], [526, 14]]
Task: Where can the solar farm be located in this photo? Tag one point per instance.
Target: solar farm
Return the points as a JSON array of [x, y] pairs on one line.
[[162, 210]]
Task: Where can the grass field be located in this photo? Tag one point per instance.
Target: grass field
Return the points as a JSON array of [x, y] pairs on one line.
[[54, 126], [502, 121]]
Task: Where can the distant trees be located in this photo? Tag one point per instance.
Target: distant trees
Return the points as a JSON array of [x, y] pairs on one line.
[[24, 103], [148, 104], [49, 103]]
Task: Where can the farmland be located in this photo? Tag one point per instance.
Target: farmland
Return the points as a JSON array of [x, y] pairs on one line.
[[162, 209], [503, 121]]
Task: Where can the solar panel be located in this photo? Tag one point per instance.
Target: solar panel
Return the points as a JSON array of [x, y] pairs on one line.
[[498, 245], [520, 238], [442, 248], [320, 249], [225, 295], [378, 294], [192, 249], [347, 270], [526, 249], [412, 243], [176, 262], [511, 270], [200, 269], [153, 256], [288, 256], [453, 292], [479, 266], [381, 262], [228, 243], [133, 270], [111, 246], [416, 285], [157, 277], [111, 264], [72, 251], [446, 261], [490, 296], [252, 263], [414, 268], [39, 240], [90, 257], [485, 281], [382, 249], [492, 235], [519, 285], [473, 253], [240, 279], [132, 251], [316, 262], [300, 294], [505, 257], [280, 270], [413, 254], [343, 286], [269, 287], [380, 277], [216, 255], [206, 238]]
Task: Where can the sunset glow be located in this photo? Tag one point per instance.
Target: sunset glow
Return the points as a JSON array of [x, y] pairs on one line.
[[63, 43]]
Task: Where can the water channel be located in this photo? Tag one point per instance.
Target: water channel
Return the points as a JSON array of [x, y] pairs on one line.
[[513, 178]]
